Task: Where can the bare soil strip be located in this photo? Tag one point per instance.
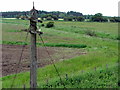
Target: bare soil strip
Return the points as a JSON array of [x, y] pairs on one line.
[[11, 55]]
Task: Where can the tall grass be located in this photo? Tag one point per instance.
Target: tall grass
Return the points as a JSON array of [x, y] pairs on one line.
[[101, 78], [101, 40], [70, 67], [102, 30]]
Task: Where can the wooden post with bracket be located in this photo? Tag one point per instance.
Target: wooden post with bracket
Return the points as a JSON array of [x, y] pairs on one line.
[[33, 49], [33, 61]]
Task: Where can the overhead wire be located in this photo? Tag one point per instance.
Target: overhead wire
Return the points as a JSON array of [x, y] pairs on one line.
[[19, 61], [18, 65], [52, 60]]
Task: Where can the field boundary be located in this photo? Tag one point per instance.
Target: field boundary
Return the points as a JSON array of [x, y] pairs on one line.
[[47, 44]]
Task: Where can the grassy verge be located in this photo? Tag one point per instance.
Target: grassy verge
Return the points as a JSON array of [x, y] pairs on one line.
[[71, 67], [47, 44], [101, 78]]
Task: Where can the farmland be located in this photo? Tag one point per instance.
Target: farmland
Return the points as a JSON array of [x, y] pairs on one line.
[[91, 66]]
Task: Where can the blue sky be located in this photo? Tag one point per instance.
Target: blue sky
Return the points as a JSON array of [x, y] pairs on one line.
[[106, 7]]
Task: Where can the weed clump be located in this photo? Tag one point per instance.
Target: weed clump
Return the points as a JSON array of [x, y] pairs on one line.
[[50, 24], [66, 45], [90, 33], [42, 25]]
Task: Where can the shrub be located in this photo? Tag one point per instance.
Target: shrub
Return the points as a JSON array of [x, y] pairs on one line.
[[117, 19], [80, 18], [17, 17], [118, 38], [42, 25], [50, 24], [68, 19], [90, 33], [49, 18], [112, 19]]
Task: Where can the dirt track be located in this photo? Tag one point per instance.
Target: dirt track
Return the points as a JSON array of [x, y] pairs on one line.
[[11, 56]]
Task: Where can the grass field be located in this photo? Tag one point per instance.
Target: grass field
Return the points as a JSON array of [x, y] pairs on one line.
[[100, 39]]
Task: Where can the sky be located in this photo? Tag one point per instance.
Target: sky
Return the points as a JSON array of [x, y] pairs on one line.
[[106, 7]]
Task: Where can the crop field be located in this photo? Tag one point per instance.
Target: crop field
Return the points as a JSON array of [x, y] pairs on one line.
[[85, 54]]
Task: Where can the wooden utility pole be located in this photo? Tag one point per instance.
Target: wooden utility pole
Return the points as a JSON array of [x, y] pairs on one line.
[[33, 49], [33, 61]]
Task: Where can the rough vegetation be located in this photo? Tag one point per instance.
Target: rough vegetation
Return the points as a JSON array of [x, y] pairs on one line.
[[95, 69], [50, 24]]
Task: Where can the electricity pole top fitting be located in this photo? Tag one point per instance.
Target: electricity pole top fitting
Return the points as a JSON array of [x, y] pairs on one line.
[[34, 20]]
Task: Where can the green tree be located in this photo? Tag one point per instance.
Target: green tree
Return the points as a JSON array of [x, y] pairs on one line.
[[98, 15], [117, 19], [55, 17], [98, 18], [112, 19], [80, 18], [18, 16], [68, 18]]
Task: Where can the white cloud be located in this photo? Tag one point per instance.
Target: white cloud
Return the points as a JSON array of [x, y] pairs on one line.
[[107, 7]]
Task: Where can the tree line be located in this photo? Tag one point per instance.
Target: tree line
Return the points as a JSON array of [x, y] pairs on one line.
[[66, 16]]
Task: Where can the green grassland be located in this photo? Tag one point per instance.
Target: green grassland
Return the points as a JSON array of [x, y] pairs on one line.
[[100, 41]]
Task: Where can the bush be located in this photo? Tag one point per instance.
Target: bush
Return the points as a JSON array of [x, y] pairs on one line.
[[68, 19], [42, 25], [17, 17], [117, 19], [90, 33], [112, 19], [80, 18], [50, 24], [49, 18]]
